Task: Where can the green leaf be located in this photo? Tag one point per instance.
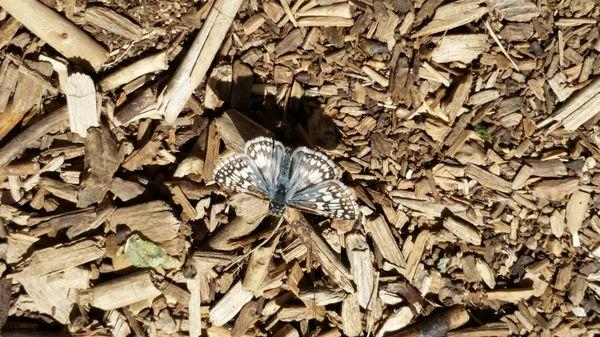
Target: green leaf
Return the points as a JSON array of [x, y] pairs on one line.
[[144, 254]]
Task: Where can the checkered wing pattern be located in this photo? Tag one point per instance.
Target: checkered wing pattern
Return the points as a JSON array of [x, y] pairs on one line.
[[308, 168], [237, 172], [329, 198], [268, 156]]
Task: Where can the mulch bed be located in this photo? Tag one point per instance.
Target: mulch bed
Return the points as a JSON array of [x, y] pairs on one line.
[[468, 131]]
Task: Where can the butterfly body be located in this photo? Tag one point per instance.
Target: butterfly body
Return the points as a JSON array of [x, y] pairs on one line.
[[302, 178]]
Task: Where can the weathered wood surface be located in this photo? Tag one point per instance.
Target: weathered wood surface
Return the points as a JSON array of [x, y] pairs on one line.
[[468, 131]]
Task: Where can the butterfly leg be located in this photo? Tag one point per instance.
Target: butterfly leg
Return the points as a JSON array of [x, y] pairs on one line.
[[262, 243]]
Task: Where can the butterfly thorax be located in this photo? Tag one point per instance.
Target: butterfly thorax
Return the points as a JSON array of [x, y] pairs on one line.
[[278, 198]]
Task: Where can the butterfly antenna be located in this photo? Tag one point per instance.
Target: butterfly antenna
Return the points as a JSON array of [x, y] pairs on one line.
[[262, 243]]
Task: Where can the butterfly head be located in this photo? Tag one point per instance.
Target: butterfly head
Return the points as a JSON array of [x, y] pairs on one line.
[[276, 208]]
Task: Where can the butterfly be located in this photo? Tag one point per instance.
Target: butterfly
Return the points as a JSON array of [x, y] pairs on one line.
[[303, 178]]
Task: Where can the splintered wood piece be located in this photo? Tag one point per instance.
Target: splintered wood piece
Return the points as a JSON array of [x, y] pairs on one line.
[[198, 58], [500, 329], [361, 267], [61, 257], [462, 230], [8, 30], [5, 292], [64, 36], [341, 10], [250, 212], [437, 325], [258, 267], [397, 320], [81, 227], [351, 316], [102, 159], [462, 48], [147, 65], [27, 137], [121, 292], [516, 10], [154, 220], [142, 156], [194, 286], [117, 323], [579, 109], [236, 128], [143, 105], [487, 179], [555, 189], [213, 145], [218, 86], [385, 241], [452, 15], [510, 295], [229, 305], [113, 22], [81, 103], [50, 293], [247, 318], [459, 96], [331, 264], [324, 21], [575, 212], [125, 189], [416, 253]]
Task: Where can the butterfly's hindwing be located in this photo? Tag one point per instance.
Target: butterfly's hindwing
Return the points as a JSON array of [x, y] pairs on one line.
[[237, 173], [268, 156], [308, 168], [329, 198]]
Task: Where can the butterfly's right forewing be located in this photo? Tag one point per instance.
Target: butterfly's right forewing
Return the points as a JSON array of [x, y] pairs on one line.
[[236, 172]]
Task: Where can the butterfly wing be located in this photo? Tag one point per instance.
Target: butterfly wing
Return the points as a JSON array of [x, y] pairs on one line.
[[308, 168], [328, 198], [268, 156], [236, 172]]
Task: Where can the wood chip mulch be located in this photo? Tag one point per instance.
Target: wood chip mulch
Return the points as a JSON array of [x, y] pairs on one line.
[[468, 131]]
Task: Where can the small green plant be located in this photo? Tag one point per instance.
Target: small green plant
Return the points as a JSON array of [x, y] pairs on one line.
[[483, 132]]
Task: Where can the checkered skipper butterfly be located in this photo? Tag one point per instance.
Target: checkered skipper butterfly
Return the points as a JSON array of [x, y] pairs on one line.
[[302, 178]]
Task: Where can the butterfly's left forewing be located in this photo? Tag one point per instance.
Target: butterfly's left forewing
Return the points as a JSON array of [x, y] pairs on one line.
[[329, 198], [237, 173]]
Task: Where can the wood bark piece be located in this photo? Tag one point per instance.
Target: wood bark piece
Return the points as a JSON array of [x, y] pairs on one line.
[[258, 267], [250, 212], [580, 108], [53, 259], [487, 179], [330, 263], [463, 230], [385, 241], [102, 159], [453, 15], [154, 220], [27, 137], [236, 128], [351, 316], [341, 10], [516, 10], [64, 36], [121, 292], [438, 325], [462, 48], [230, 304], [397, 320], [575, 212], [113, 22], [147, 65], [198, 59], [50, 293], [361, 267]]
